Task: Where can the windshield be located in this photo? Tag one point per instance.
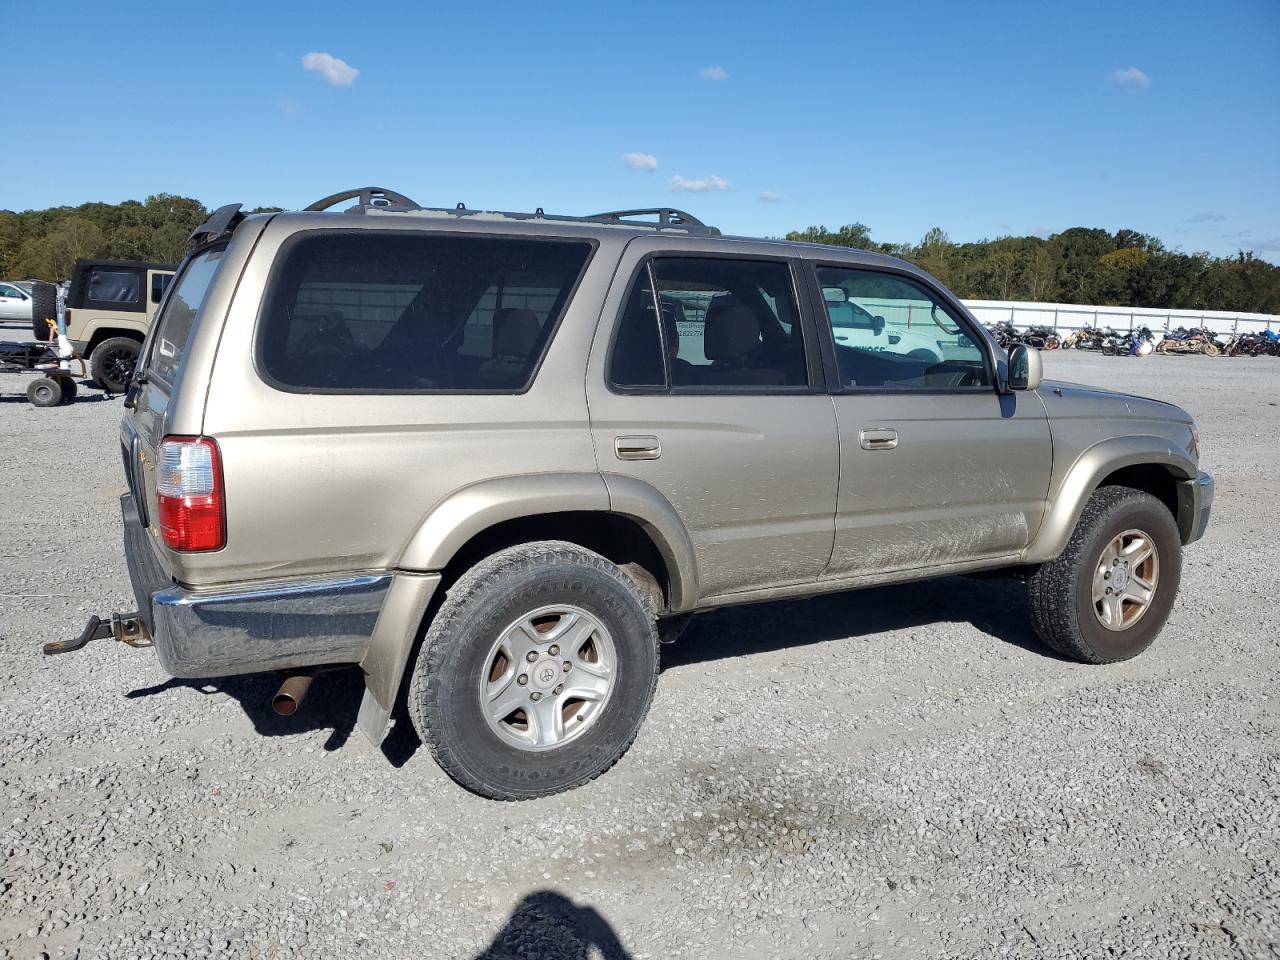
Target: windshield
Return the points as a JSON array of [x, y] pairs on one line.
[[178, 314]]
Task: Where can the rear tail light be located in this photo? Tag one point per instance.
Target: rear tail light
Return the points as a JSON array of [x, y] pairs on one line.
[[189, 494]]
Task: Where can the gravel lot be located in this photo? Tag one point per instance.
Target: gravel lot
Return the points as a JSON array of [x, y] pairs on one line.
[[902, 772]]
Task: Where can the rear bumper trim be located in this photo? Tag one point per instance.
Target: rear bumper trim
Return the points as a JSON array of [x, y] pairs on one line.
[[265, 626]]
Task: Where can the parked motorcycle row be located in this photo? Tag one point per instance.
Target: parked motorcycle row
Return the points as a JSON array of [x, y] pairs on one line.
[[1140, 341]]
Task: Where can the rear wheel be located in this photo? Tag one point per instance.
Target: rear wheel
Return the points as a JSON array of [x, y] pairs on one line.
[[113, 363], [44, 393], [536, 672], [1109, 593]]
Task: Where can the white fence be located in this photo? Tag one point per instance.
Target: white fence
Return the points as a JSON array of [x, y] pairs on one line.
[[1070, 316]]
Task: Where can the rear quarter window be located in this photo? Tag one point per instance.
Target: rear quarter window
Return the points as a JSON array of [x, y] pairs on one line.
[[364, 312], [115, 286]]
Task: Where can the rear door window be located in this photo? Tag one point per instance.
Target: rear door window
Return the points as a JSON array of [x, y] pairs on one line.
[[174, 325], [362, 313], [159, 284]]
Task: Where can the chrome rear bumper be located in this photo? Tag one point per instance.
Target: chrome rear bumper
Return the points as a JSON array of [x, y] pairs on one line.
[[266, 626]]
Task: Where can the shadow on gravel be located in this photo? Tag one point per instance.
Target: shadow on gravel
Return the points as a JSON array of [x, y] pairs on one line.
[[331, 704], [997, 607], [549, 926]]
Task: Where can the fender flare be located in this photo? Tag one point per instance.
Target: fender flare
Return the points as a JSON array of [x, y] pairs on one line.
[[452, 522], [1090, 469]]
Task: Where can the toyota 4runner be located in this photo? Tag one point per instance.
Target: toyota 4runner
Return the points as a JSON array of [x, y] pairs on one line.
[[494, 459]]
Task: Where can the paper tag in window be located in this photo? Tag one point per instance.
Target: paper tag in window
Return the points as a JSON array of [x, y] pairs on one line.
[[167, 349]]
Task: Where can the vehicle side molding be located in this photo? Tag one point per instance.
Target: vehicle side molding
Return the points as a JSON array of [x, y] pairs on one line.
[[1083, 477]]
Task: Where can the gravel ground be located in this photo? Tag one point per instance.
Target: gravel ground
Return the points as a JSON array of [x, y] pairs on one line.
[[902, 772]]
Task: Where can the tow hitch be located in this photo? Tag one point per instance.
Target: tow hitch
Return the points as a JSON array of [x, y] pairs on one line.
[[128, 628]]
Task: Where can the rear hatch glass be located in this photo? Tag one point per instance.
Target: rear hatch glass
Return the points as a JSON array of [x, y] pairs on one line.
[[178, 317]]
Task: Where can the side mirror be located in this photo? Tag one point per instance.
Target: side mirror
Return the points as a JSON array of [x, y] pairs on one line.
[[877, 325], [1025, 368]]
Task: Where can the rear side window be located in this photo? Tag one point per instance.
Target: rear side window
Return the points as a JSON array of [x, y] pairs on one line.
[[174, 325], [115, 286], [365, 313]]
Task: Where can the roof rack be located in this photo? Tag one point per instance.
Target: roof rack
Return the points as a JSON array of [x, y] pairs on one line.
[[382, 199], [667, 217]]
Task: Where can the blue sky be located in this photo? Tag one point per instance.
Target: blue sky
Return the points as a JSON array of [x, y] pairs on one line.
[[981, 118]]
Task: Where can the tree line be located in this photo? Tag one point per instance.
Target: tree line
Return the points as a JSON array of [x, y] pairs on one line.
[[1079, 265], [45, 244]]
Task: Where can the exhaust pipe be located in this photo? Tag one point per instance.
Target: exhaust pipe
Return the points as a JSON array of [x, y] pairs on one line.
[[292, 691]]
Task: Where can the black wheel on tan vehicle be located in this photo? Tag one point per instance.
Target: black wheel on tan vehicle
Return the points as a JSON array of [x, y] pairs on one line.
[[44, 393], [1107, 596], [536, 672], [113, 363], [44, 307]]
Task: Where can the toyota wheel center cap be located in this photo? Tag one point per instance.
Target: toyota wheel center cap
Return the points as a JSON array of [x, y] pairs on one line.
[[545, 674]]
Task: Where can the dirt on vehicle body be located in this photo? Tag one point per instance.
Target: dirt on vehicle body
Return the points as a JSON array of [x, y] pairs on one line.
[[495, 458]]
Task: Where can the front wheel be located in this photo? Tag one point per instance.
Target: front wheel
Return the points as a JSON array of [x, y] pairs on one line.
[[1211, 349], [536, 672], [1109, 593]]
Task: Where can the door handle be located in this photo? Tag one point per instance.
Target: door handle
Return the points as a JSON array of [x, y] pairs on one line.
[[878, 438], [637, 448]]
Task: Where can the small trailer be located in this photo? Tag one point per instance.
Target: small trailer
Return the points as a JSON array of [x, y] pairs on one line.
[[53, 359]]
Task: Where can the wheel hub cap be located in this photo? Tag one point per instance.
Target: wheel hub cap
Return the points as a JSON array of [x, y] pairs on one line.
[[547, 677], [1125, 579], [544, 674]]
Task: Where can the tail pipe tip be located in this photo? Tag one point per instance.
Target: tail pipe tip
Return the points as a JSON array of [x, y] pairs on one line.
[[292, 692]]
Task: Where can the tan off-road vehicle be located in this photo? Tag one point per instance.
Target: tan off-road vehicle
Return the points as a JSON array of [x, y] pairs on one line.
[[109, 307], [494, 459]]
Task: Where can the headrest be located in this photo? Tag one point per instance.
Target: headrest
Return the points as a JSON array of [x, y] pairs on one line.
[[515, 333], [730, 334]]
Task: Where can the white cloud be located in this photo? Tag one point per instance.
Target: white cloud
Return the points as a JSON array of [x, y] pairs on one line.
[[713, 74], [337, 71], [768, 196], [1130, 77], [645, 162], [699, 185]]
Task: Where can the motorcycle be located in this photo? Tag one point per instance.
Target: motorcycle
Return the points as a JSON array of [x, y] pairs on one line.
[[1086, 338], [1195, 340], [1041, 337], [1135, 343]]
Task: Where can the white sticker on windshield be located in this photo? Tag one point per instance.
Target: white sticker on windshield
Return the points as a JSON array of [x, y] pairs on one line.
[[167, 349]]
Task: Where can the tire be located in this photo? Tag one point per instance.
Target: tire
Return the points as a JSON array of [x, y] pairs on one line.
[[68, 389], [113, 363], [1063, 612], [44, 307], [1163, 347], [1210, 349], [456, 667], [44, 392]]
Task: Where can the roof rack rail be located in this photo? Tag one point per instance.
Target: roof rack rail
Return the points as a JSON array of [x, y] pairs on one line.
[[667, 217], [382, 199], [379, 197]]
